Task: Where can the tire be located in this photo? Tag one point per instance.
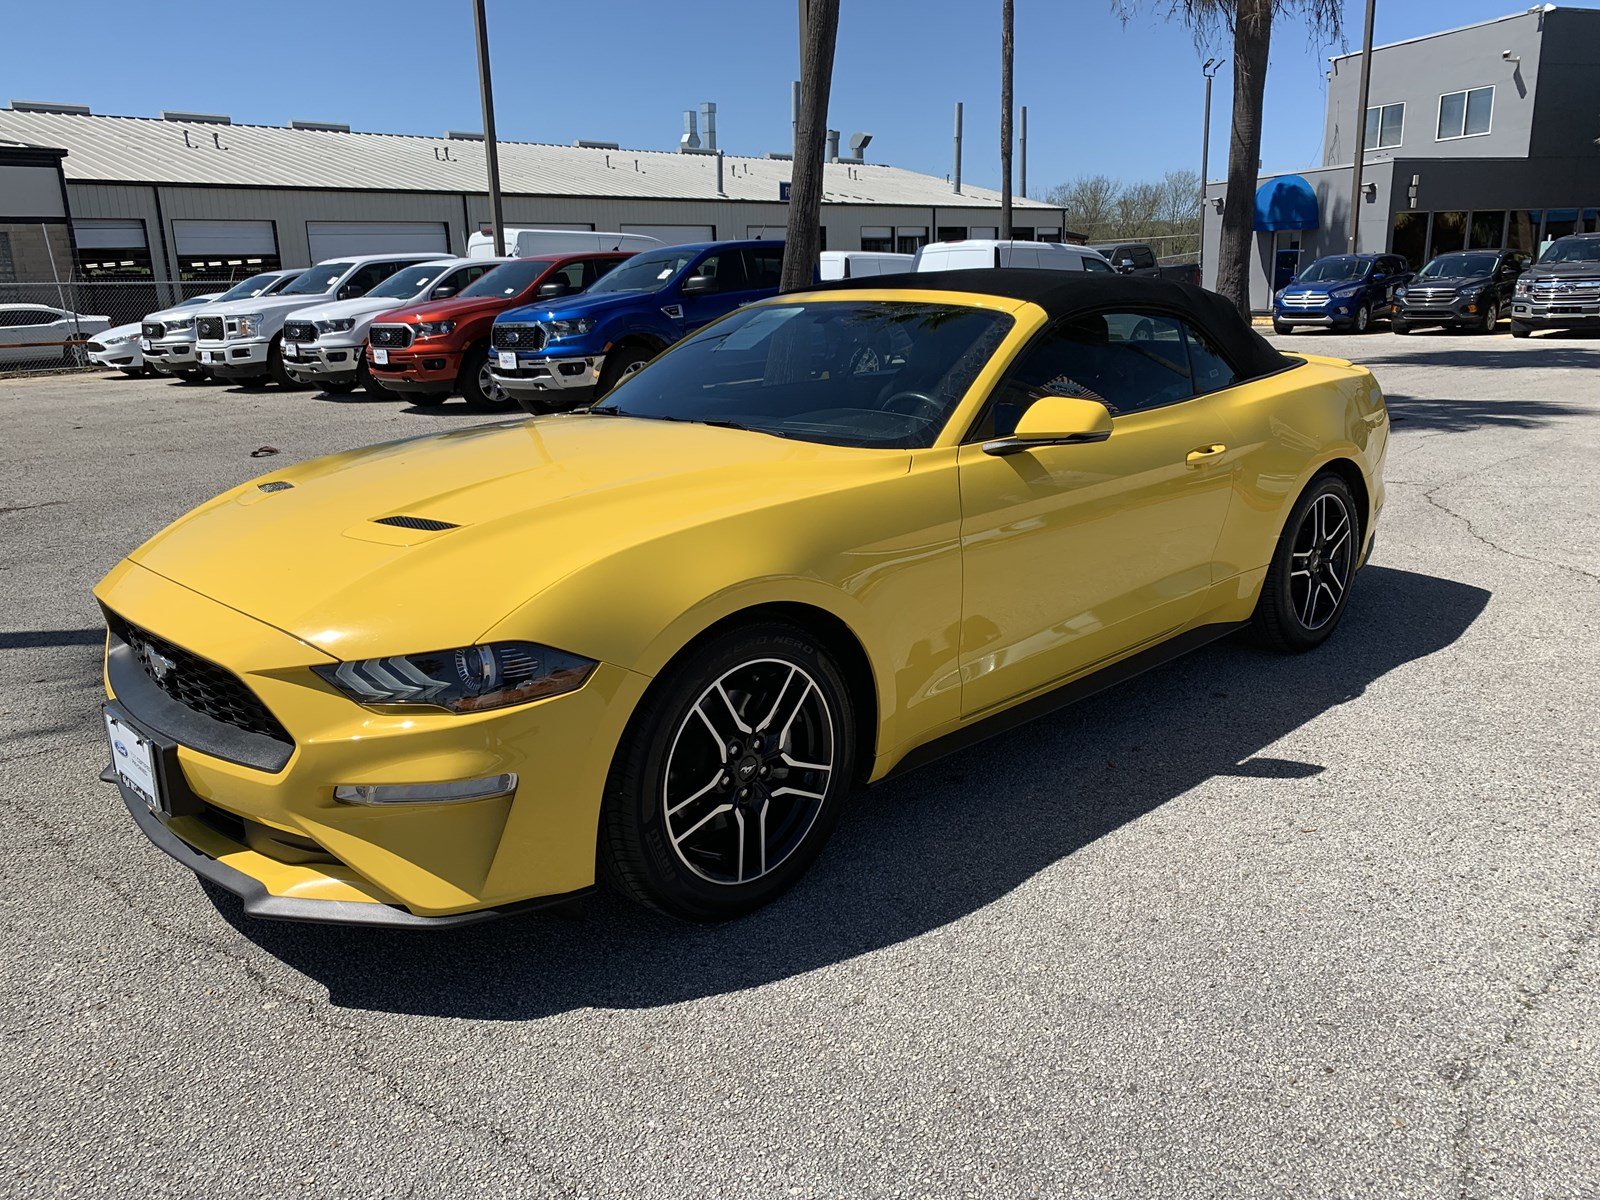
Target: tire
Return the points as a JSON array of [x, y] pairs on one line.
[[709, 852], [1282, 327], [368, 384], [1298, 612], [1491, 318], [619, 366], [1362, 323], [275, 368], [476, 385], [1519, 330], [338, 389], [1399, 326]]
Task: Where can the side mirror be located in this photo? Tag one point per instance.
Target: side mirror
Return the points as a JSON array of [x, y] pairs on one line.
[[1055, 421], [445, 292], [556, 287], [1125, 264], [349, 292], [696, 284]]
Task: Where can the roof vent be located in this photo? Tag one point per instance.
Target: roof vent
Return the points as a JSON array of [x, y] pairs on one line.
[[47, 106], [404, 522], [588, 145], [321, 126], [462, 135], [197, 118]]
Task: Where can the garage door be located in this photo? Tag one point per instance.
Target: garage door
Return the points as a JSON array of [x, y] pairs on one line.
[[224, 237], [675, 235], [110, 234], [330, 239]]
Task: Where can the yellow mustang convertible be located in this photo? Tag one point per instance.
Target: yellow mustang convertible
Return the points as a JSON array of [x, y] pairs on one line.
[[660, 641]]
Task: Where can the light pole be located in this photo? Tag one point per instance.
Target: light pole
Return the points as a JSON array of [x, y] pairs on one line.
[[1209, 70], [1361, 132], [490, 146]]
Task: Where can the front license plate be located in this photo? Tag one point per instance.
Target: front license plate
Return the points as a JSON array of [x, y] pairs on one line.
[[508, 360], [144, 344], [208, 356], [381, 357], [134, 760], [292, 348]]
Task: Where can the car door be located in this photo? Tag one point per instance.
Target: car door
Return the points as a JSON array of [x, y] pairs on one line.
[[725, 270], [1074, 555]]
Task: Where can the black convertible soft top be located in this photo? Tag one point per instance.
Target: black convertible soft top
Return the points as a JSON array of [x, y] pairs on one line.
[[1068, 293]]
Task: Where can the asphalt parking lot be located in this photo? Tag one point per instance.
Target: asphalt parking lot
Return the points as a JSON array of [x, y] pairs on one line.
[[1247, 926]]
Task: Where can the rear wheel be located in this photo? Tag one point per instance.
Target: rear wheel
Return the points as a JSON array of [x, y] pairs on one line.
[[731, 776], [1308, 583], [629, 360]]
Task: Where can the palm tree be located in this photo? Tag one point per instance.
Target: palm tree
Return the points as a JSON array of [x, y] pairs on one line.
[[819, 30], [1249, 24], [1007, 54]]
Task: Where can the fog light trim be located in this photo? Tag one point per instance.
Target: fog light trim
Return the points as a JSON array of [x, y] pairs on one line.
[[455, 791]]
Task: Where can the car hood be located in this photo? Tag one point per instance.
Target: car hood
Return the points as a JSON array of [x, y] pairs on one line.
[[456, 309], [1450, 281], [527, 503], [188, 310], [564, 308], [1565, 270], [121, 331], [1301, 289], [261, 304], [361, 306]]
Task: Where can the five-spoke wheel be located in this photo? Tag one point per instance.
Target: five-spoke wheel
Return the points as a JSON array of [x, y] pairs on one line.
[[1308, 582]]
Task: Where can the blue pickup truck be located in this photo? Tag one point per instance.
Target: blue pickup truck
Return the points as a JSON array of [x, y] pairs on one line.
[[560, 352]]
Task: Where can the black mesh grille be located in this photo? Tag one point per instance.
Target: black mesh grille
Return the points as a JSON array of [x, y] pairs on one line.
[[415, 523], [198, 683], [390, 335], [208, 328], [154, 329], [95, 347], [518, 337], [299, 331]]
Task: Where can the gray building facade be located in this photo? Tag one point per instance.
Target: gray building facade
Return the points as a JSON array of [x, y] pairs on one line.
[[1476, 137]]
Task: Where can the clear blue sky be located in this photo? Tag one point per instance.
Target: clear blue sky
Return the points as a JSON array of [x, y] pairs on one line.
[[1103, 97]]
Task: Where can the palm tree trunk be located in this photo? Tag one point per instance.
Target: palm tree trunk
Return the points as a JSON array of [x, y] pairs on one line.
[[1252, 43], [1007, 54], [802, 245]]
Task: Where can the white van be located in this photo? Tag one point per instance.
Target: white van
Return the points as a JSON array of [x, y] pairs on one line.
[[525, 243], [977, 253], [853, 264]]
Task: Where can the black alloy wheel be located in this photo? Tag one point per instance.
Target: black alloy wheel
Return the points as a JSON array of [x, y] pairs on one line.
[[1307, 586]]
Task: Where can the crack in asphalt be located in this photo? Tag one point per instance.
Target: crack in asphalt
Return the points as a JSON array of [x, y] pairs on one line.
[[1527, 1004]]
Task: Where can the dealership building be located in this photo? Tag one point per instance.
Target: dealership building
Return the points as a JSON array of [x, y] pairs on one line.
[[1483, 136], [190, 196]]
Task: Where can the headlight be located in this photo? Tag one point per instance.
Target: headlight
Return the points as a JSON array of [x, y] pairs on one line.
[[342, 325], [250, 324], [117, 341], [469, 679], [435, 328], [179, 325], [1470, 293], [1524, 287], [1400, 293], [564, 329]]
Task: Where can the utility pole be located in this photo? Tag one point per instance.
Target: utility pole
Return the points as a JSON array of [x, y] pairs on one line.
[[1361, 132], [1022, 156], [1209, 70], [1007, 53], [490, 146]]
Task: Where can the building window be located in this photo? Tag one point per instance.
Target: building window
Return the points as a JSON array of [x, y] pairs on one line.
[[908, 239], [1487, 231], [1049, 235], [1385, 126], [1523, 231], [952, 233], [1466, 114], [8, 265], [1410, 237], [1449, 233], [878, 238], [1022, 233]]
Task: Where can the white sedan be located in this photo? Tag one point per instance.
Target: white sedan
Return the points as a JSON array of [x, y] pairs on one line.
[[39, 333], [120, 347]]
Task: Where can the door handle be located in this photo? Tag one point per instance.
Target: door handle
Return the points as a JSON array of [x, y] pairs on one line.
[[1201, 455]]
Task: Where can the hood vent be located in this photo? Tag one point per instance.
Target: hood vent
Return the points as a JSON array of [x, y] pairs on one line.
[[427, 523], [275, 485]]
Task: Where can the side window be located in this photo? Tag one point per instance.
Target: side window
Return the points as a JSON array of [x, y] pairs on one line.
[[1142, 256], [1094, 264], [724, 268], [467, 275], [573, 275], [594, 268], [1211, 371], [763, 268], [368, 277], [35, 316]]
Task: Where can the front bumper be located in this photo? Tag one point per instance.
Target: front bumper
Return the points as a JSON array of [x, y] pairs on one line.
[[234, 359], [432, 372], [1464, 311], [171, 357], [123, 358], [1544, 315], [319, 362], [289, 845], [537, 376]]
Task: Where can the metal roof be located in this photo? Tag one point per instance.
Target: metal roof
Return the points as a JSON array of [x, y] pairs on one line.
[[106, 149]]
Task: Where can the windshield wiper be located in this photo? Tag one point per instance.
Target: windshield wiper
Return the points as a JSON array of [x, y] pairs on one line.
[[720, 423]]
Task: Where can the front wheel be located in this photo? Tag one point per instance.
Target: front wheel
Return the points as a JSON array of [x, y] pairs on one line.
[[1282, 327], [1399, 326], [476, 382], [1519, 330], [731, 775], [1363, 318], [368, 384], [1308, 582], [629, 360], [1491, 318], [276, 370]]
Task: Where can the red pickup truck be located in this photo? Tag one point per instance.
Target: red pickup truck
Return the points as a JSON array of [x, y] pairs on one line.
[[431, 351]]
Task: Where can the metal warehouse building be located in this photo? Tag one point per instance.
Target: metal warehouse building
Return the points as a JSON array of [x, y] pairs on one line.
[[194, 197]]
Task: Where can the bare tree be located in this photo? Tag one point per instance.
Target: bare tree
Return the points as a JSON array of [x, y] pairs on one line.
[[819, 28], [1249, 24], [1090, 202], [1007, 55], [1137, 207], [1180, 199]]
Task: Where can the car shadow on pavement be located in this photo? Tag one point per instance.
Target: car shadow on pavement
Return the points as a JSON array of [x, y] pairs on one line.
[[914, 853], [1460, 414]]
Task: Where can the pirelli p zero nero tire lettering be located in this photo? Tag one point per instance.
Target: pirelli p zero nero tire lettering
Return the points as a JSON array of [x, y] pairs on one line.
[[1308, 583], [731, 775]]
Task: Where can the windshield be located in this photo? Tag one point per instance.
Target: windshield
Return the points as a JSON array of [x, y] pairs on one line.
[[1335, 270], [1571, 250], [317, 279], [1456, 266], [407, 282], [879, 373], [247, 289], [645, 273], [508, 279]]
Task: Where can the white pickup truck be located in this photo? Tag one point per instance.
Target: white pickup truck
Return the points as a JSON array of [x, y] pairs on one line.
[[166, 338], [242, 339], [326, 343]]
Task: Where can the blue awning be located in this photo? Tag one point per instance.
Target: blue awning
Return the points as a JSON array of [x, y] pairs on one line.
[[1287, 202]]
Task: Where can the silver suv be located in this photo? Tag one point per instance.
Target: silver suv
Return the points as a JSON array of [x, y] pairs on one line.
[[1562, 289]]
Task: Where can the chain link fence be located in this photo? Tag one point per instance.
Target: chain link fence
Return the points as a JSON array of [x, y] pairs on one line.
[[55, 326]]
